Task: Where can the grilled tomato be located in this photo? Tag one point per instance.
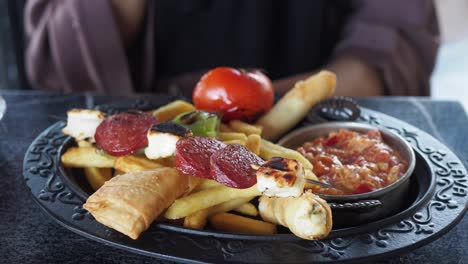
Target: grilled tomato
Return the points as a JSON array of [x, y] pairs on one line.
[[236, 93]]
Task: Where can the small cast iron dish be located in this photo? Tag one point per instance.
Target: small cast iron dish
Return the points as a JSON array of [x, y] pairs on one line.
[[358, 209]]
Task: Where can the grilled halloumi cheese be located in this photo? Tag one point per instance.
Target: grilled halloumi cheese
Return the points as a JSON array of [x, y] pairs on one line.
[[82, 123], [280, 177], [162, 139]]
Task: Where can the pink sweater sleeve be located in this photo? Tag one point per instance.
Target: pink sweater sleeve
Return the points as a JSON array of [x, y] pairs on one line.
[[75, 46]]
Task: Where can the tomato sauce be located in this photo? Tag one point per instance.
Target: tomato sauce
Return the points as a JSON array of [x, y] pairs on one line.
[[353, 162]]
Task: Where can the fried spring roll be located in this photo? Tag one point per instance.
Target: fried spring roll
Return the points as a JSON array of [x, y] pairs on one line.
[[295, 104], [307, 216], [130, 202]]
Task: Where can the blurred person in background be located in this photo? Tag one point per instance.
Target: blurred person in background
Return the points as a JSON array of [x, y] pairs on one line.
[[376, 47]]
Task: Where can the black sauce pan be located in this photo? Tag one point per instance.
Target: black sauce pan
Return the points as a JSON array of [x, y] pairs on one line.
[[358, 209]]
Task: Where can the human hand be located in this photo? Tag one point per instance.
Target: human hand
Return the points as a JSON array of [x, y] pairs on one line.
[[354, 78]]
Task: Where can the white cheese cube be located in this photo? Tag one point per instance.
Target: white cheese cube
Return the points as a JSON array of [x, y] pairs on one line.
[[160, 145], [162, 139], [82, 123], [281, 177]]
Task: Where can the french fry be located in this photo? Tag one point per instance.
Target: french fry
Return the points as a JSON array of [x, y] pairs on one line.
[[135, 163], [247, 209], [84, 143], [118, 172], [171, 110], [82, 157], [234, 141], [167, 162], [207, 184], [228, 206], [240, 224], [97, 176], [198, 219], [242, 127], [269, 150], [193, 184], [206, 198], [253, 143], [295, 104], [225, 128], [225, 136]]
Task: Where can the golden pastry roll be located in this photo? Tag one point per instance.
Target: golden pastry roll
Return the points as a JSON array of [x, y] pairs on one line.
[[307, 216], [130, 202], [295, 104]]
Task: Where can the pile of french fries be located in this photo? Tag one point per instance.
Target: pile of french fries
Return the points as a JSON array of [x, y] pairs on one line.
[[206, 200]]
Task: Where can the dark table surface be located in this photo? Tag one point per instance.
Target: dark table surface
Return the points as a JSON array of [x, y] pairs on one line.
[[28, 235]]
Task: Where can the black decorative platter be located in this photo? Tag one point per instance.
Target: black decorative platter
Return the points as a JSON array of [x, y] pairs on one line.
[[437, 201]]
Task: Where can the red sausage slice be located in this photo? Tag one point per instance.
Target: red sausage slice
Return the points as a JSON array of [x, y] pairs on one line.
[[192, 155], [232, 166], [123, 134]]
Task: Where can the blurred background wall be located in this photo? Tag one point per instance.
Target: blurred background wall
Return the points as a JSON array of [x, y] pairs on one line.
[[450, 77], [449, 81]]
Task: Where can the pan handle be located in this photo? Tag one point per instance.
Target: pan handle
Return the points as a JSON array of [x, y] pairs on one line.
[[358, 205], [336, 108]]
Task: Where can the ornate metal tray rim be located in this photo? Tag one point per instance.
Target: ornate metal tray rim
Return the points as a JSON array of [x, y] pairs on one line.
[[449, 196]]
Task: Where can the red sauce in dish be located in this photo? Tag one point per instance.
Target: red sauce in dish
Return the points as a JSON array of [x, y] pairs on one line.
[[353, 162]]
